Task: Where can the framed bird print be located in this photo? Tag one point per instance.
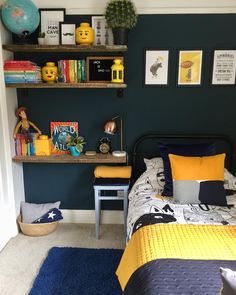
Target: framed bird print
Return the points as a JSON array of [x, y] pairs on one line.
[[156, 66]]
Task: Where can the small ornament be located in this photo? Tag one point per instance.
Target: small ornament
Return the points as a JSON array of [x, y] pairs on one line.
[[104, 146], [49, 72], [84, 34], [117, 72]]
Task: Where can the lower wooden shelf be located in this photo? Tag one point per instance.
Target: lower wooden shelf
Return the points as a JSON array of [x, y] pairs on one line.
[[82, 159], [67, 85]]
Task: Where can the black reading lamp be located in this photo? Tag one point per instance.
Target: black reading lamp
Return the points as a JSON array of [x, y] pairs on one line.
[[110, 127]]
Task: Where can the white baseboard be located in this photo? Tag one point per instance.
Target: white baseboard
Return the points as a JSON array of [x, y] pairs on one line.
[[88, 216]]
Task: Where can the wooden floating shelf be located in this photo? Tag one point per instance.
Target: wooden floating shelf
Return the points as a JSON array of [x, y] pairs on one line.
[[63, 48], [66, 85], [82, 159]]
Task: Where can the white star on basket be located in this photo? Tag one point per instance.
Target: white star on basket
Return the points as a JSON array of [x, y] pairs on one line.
[[51, 215]]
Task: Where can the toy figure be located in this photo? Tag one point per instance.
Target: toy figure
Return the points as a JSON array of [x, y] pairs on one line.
[[84, 34], [24, 124]]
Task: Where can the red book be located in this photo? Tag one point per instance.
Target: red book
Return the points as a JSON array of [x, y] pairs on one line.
[[18, 62]]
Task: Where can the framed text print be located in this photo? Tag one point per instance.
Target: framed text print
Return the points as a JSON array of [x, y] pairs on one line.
[[224, 67], [190, 67], [156, 67], [49, 24]]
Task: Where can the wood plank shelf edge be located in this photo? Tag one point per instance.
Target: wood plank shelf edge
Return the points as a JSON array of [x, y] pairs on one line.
[[82, 159], [66, 85], [63, 48]]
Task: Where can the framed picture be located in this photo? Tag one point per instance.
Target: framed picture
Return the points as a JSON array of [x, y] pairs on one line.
[[49, 24], [67, 33], [99, 68], [102, 33], [224, 67], [156, 64], [190, 67]]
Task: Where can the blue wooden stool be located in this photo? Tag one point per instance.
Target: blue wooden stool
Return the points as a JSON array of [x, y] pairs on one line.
[[110, 184]]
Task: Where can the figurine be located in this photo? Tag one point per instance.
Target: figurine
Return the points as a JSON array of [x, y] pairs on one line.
[[84, 34], [24, 124], [50, 72]]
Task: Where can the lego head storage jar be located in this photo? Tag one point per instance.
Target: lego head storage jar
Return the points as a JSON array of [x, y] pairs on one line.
[[84, 34], [49, 72]]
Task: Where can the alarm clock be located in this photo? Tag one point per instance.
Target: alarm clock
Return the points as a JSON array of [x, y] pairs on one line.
[[104, 145]]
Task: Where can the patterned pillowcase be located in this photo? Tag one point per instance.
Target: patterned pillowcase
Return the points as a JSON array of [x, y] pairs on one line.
[[194, 150], [151, 181], [229, 281], [154, 163], [198, 179]]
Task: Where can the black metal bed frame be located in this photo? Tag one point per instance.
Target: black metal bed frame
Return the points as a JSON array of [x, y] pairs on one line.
[[223, 144]]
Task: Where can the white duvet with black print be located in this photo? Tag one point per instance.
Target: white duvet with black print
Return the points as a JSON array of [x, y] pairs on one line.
[[147, 206]]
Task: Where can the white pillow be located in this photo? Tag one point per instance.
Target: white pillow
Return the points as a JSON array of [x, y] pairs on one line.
[[30, 212], [228, 277]]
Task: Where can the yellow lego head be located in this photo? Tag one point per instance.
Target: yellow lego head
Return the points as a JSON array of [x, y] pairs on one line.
[[84, 34], [49, 72]]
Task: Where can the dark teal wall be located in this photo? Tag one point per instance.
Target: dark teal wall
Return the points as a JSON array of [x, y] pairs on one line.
[[204, 109]]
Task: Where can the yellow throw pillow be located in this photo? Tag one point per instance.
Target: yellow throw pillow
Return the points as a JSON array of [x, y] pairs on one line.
[[197, 168], [198, 179]]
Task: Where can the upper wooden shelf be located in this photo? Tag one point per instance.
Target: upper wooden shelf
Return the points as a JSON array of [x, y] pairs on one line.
[[82, 159], [66, 85], [63, 48]]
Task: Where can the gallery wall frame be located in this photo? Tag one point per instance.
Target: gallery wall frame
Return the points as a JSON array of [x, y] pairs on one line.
[[67, 33], [156, 67], [189, 67], [102, 33], [49, 24], [223, 67]]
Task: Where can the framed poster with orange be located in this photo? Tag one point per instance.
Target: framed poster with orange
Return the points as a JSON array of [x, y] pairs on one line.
[[190, 67]]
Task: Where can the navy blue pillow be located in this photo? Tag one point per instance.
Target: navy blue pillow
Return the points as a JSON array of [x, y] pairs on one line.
[[194, 149]]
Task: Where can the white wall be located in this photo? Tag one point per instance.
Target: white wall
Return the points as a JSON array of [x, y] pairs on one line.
[[144, 7]]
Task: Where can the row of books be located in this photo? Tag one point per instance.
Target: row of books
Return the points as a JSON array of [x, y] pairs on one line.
[[72, 71], [23, 147], [22, 71]]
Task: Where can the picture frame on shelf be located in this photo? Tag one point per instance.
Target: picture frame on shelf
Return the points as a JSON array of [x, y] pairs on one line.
[[102, 33], [156, 67], [190, 67], [224, 67], [49, 24], [98, 68], [67, 33]]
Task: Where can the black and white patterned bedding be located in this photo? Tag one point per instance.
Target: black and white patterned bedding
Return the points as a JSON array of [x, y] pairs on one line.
[[147, 206]]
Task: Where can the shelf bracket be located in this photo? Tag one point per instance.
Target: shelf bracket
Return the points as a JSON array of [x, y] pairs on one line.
[[120, 92]]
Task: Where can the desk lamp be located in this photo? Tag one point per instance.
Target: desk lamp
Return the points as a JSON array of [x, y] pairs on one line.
[[110, 127]]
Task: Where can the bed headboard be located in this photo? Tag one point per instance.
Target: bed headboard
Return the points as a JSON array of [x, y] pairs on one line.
[[146, 146]]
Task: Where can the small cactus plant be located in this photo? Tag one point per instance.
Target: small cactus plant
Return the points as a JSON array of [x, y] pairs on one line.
[[121, 14]]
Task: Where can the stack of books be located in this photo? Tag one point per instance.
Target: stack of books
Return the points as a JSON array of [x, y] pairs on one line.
[[21, 71], [72, 71], [24, 148]]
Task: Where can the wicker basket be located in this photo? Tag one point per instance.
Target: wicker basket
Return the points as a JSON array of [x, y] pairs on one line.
[[37, 230]]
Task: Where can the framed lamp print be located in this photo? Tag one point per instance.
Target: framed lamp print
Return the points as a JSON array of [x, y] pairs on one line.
[[156, 66], [102, 33], [49, 24], [190, 67]]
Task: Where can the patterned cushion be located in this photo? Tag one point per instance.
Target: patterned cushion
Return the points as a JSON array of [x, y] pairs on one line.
[[196, 150], [198, 179]]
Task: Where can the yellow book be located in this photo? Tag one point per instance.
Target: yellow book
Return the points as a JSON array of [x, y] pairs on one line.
[[72, 70]]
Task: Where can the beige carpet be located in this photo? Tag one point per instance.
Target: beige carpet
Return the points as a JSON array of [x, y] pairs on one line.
[[21, 259]]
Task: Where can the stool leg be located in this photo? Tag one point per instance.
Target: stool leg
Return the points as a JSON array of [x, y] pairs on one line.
[[125, 209], [97, 212]]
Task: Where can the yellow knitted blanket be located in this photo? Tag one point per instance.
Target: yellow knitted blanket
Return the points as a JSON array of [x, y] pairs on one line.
[[212, 242]]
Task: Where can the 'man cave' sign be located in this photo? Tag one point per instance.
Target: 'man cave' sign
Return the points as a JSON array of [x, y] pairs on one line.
[[99, 68]]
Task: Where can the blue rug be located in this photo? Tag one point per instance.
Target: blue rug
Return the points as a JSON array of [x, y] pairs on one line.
[[78, 271]]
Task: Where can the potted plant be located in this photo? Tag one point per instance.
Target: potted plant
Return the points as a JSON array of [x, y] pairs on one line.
[[121, 16], [76, 145], [41, 38]]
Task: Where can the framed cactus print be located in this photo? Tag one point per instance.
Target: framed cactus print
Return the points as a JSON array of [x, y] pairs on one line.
[[156, 67]]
